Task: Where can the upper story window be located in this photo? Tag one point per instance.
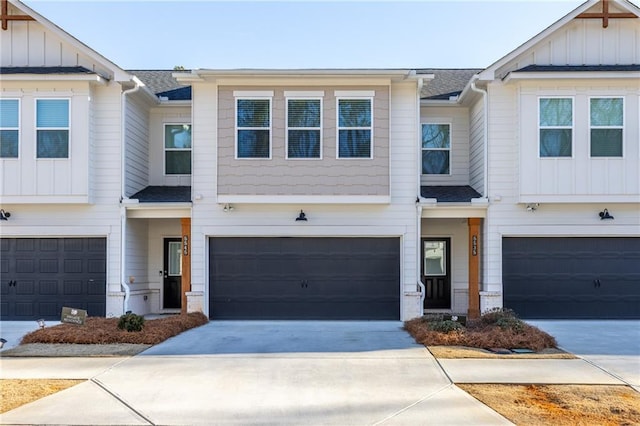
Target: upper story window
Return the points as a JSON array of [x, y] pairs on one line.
[[177, 149], [304, 128], [52, 128], [606, 119], [355, 128], [253, 127], [9, 127], [436, 149], [556, 127]]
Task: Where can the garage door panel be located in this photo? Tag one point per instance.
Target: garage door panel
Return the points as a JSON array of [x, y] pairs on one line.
[[572, 277], [50, 273], [310, 278]]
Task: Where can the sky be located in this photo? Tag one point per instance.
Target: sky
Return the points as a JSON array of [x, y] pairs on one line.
[[139, 34]]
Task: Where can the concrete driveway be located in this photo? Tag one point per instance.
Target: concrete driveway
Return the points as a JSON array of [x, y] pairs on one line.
[[311, 373], [612, 345]]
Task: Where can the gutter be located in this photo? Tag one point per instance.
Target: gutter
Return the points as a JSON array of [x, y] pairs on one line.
[[485, 136], [423, 292], [123, 209]]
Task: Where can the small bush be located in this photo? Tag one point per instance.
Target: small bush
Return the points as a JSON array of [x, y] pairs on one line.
[[446, 326], [492, 316], [131, 322]]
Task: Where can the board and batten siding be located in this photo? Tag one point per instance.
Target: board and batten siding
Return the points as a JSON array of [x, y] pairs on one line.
[[458, 118], [281, 176], [579, 178], [159, 117], [584, 41]]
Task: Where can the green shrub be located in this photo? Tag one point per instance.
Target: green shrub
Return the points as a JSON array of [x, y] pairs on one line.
[[447, 326], [131, 322], [506, 319]]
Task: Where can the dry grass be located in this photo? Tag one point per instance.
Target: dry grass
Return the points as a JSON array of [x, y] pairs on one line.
[[17, 392], [461, 352], [560, 405], [482, 333], [101, 331]]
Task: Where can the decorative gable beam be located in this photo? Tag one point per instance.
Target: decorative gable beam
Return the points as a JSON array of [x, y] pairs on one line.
[[605, 15], [5, 17]]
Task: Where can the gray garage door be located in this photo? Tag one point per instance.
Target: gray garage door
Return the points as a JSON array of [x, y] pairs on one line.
[[572, 277], [41, 275], [304, 278]]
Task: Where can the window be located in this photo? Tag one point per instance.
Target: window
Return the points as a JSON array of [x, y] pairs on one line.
[[253, 127], [436, 149], [556, 127], [606, 119], [175, 259], [355, 128], [52, 128], [304, 121], [435, 263], [177, 149], [9, 127]]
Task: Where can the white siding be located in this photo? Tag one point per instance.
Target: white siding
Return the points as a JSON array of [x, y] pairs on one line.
[[458, 118], [137, 145], [476, 146]]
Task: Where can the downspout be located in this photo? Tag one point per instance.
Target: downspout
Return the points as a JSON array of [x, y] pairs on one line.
[[419, 208], [123, 210], [485, 136]]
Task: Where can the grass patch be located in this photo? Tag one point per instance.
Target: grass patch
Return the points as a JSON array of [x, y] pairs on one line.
[[560, 405], [101, 331], [17, 392], [495, 329]]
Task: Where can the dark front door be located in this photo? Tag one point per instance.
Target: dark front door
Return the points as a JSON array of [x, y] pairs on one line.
[[436, 272], [172, 273], [580, 277], [304, 278], [40, 276]]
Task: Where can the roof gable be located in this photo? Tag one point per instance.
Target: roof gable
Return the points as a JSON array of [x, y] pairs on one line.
[[582, 37]]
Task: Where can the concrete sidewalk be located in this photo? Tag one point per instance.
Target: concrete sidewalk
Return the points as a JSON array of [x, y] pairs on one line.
[[330, 373]]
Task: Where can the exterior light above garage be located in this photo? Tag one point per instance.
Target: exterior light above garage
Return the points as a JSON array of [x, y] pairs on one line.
[[605, 215], [301, 217]]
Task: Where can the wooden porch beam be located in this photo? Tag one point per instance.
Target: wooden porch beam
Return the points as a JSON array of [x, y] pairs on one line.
[[186, 261], [474, 267]]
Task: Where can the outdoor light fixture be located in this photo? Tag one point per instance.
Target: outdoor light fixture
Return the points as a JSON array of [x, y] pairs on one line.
[[301, 217], [605, 215], [4, 215], [2, 342], [532, 207], [227, 208], [41, 323]]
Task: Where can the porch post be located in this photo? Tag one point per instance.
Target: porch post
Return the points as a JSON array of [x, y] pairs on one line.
[[186, 261], [474, 267]]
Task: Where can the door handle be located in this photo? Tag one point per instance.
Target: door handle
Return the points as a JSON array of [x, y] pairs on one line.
[[304, 284], [596, 283]]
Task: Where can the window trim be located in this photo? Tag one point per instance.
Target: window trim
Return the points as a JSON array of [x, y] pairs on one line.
[[306, 97], [354, 95], [622, 127], [572, 127], [450, 149], [35, 124], [165, 149], [16, 128], [255, 95]]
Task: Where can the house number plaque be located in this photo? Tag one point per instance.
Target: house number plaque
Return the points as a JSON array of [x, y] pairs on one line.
[[474, 245], [185, 245]]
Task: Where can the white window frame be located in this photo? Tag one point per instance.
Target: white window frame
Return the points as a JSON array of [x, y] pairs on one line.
[[622, 127], [354, 95], [572, 127], [165, 149], [303, 96], [15, 128], [253, 95], [450, 149], [35, 123]]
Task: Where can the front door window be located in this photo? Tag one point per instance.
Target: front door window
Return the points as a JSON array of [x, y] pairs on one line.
[[435, 273]]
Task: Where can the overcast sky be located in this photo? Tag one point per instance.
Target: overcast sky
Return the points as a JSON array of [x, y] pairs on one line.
[[303, 34]]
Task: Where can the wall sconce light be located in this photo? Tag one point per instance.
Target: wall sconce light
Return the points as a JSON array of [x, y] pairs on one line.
[[4, 215], [227, 208], [533, 207], [41, 323], [605, 215], [2, 342], [301, 217]]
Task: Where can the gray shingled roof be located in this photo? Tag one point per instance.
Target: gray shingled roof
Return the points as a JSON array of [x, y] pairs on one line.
[[449, 194], [45, 70], [158, 81], [446, 83], [164, 194]]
